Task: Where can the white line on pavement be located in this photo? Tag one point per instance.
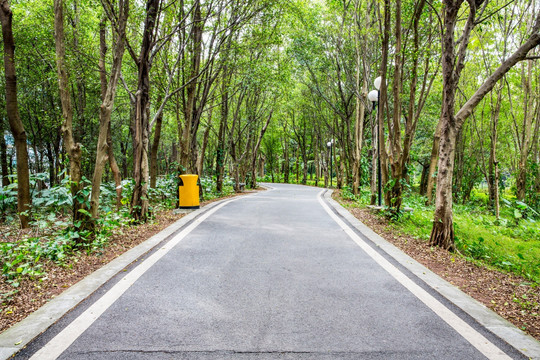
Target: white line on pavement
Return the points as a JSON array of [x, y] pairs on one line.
[[471, 335], [57, 345]]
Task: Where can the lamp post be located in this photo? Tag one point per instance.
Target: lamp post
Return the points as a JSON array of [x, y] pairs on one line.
[[329, 144], [373, 96]]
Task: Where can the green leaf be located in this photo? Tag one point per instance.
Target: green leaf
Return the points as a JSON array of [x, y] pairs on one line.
[[84, 211]]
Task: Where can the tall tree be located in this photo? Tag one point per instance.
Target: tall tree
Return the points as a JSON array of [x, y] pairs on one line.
[[104, 86], [139, 198], [442, 233], [119, 20], [361, 92], [525, 141], [224, 114], [155, 148], [73, 148], [17, 128], [3, 156], [190, 104]]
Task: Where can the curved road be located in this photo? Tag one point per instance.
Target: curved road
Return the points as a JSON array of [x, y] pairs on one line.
[[275, 275]]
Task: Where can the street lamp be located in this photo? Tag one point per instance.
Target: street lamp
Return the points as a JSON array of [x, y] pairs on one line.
[[373, 96], [329, 144]]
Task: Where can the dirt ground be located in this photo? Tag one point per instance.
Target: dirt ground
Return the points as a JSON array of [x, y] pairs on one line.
[[510, 296]]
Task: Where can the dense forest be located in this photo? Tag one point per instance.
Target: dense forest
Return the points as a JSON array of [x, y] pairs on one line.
[[107, 102]]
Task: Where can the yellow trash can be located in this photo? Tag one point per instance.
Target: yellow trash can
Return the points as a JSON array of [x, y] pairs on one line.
[[188, 192]]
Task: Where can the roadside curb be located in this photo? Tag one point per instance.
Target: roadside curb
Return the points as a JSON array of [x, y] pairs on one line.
[[502, 328], [19, 335]]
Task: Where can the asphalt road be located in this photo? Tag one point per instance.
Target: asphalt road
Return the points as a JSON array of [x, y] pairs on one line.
[[266, 276]]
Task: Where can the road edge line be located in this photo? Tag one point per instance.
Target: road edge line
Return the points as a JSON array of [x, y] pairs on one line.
[[499, 326]]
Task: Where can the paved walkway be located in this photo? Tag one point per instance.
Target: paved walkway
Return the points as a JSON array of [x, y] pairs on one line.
[[267, 276]]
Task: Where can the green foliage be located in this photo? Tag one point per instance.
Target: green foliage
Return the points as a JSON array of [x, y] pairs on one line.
[[8, 201], [165, 194], [57, 198], [347, 194], [519, 210], [363, 196], [21, 259], [209, 188]]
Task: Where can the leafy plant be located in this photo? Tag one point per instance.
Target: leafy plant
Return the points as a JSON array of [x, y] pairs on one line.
[[519, 210], [8, 199]]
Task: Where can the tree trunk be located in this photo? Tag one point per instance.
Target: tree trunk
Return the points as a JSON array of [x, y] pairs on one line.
[[394, 196], [305, 167], [433, 163], [124, 152], [286, 165], [200, 159], [256, 151], [341, 173], [493, 181], [326, 167], [297, 165], [139, 199], [316, 161], [423, 179], [442, 233], [196, 39], [360, 109], [3, 156], [52, 164], [72, 148], [528, 114], [261, 165], [383, 100], [114, 169], [496, 191], [155, 149], [12, 108], [220, 153], [374, 158], [103, 149], [103, 79], [411, 120]]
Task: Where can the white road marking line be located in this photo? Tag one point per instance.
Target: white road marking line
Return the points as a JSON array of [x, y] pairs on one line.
[[471, 335], [57, 345]]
